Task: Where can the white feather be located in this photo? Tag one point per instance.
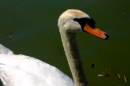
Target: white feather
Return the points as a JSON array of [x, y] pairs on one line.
[[21, 70]]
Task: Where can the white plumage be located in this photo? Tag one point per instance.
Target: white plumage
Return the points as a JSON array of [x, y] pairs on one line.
[[21, 70]]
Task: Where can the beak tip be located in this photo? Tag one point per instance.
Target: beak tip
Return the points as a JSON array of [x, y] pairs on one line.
[[107, 36]]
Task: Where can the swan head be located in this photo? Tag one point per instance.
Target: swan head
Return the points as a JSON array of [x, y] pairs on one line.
[[73, 21]]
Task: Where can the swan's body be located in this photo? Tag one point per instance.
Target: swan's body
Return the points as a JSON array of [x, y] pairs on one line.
[[21, 70]]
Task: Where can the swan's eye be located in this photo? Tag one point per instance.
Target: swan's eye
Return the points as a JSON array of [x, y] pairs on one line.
[[83, 21]]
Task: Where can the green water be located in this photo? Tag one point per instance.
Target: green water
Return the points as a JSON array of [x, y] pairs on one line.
[[30, 27]]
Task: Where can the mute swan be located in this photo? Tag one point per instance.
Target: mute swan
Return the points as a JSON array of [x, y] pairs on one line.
[[22, 70]]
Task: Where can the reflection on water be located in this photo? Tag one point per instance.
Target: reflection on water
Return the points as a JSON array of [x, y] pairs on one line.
[[30, 27]]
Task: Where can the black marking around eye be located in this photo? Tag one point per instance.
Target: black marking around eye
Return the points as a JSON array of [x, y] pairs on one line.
[[83, 21]]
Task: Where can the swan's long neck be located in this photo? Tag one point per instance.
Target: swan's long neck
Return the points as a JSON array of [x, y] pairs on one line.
[[70, 45]]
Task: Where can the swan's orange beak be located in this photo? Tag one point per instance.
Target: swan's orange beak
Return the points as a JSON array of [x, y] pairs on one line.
[[95, 31]]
